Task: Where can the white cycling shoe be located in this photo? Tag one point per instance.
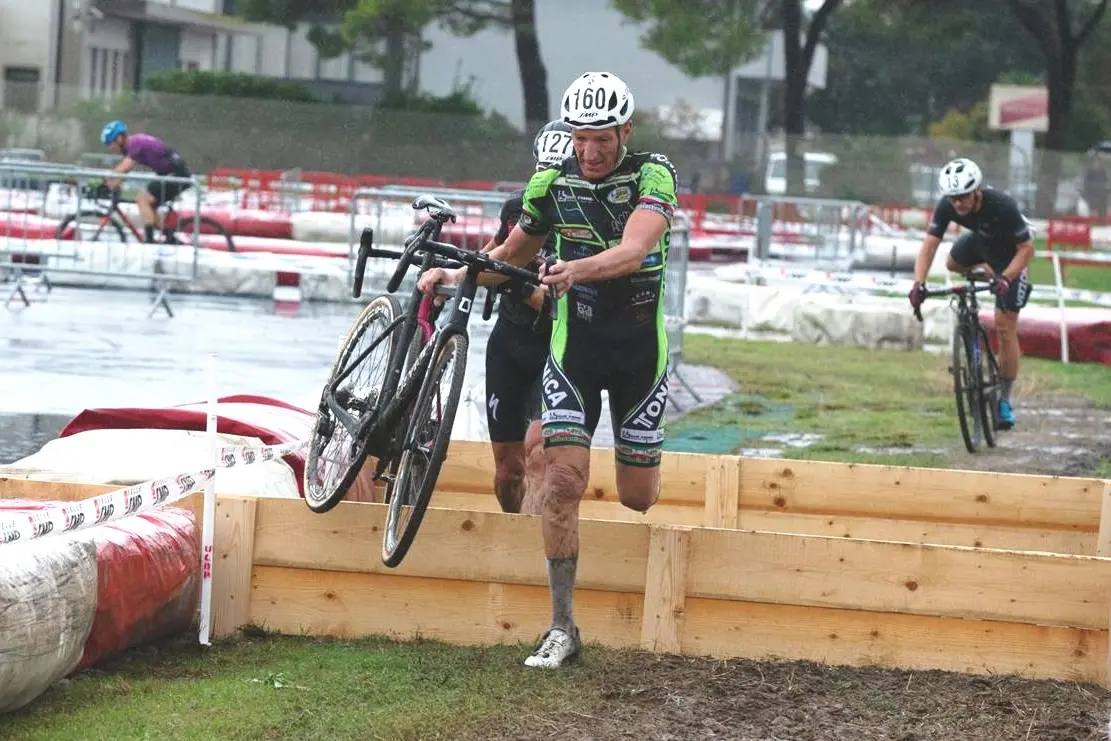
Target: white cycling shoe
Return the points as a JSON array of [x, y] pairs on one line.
[[557, 647]]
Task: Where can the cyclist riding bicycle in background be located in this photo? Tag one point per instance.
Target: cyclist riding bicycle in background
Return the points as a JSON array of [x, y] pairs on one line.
[[612, 211], [999, 241], [152, 152], [515, 355]]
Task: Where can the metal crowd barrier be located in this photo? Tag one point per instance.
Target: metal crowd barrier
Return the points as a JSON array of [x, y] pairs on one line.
[[53, 233], [822, 231], [675, 302]]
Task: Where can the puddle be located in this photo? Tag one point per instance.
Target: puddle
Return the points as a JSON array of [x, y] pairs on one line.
[[898, 451], [793, 439], [23, 434], [762, 452]]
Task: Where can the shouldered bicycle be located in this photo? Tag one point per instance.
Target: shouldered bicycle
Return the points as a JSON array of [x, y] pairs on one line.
[[393, 390], [975, 371]]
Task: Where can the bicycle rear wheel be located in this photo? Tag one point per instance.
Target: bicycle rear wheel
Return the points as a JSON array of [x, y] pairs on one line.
[[335, 458], [424, 447], [990, 382], [966, 389]]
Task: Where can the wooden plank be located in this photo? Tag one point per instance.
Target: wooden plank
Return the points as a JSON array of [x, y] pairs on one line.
[[1103, 539], [971, 535], [665, 587], [469, 468], [348, 604], [920, 493], [1012, 586], [468, 546], [233, 541], [856, 638], [723, 490], [593, 509]]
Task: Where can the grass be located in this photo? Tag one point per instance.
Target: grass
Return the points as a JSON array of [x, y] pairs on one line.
[[282, 688], [895, 402], [1082, 277]]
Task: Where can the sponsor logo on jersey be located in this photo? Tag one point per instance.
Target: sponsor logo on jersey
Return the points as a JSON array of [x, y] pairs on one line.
[[620, 194], [576, 233]]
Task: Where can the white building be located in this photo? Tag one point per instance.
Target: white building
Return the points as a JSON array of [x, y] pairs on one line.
[[55, 50]]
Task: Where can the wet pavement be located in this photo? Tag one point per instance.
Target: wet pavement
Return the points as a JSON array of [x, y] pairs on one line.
[[86, 348]]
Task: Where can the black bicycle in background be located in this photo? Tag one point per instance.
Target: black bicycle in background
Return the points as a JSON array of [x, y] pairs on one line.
[[976, 379], [395, 385]]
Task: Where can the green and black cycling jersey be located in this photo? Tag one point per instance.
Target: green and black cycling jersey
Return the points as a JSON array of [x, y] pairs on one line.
[[589, 217]]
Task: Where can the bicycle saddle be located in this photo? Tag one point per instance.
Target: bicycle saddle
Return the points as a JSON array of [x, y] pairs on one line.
[[435, 206]]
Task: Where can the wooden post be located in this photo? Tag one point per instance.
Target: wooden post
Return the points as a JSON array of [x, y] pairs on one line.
[[723, 491], [1103, 542], [234, 546], [665, 589]]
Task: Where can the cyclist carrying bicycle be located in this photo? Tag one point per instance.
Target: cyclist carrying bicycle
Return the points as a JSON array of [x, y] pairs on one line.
[[999, 241], [612, 210], [152, 152], [516, 352]]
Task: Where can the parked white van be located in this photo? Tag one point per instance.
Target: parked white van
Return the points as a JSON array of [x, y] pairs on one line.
[[775, 179]]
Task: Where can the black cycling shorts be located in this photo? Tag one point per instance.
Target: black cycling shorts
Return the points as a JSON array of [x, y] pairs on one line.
[[515, 358], [971, 249], [164, 192], [634, 372]]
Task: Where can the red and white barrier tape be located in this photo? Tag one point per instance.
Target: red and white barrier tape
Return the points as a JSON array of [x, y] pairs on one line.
[[23, 526]]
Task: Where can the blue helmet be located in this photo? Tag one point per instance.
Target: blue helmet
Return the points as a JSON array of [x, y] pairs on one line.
[[111, 131]]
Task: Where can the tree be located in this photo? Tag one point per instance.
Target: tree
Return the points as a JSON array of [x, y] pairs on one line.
[[702, 38], [1051, 25], [894, 68], [798, 56], [387, 34], [530, 65]]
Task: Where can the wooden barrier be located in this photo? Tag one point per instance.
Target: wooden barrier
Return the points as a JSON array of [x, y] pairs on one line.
[[479, 578], [916, 505], [750, 558]]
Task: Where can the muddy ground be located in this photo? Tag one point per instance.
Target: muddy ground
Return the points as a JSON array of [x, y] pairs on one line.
[[675, 698], [1056, 434]]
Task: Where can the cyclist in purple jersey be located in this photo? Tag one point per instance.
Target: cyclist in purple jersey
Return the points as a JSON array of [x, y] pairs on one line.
[[151, 152]]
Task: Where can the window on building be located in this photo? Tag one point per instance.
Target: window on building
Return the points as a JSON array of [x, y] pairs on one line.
[[21, 89], [103, 71], [116, 78], [93, 58]]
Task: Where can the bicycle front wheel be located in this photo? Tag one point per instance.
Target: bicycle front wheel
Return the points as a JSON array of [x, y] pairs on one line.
[[355, 385], [425, 447], [91, 226], [966, 388], [990, 386]]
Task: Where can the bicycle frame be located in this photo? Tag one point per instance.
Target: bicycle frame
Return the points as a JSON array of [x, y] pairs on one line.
[[113, 209]]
